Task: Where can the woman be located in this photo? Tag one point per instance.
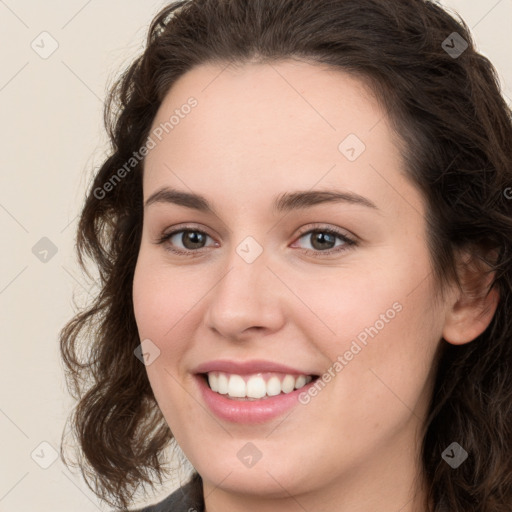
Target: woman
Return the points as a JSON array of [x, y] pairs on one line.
[[302, 235]]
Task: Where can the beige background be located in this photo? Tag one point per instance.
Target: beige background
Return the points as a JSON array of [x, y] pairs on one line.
[[52, 140]]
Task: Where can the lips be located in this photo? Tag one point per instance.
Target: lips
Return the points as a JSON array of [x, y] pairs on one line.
[[249, 367], [251, 391]]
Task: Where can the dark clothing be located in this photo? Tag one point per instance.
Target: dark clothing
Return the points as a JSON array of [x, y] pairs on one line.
[[188, 498]]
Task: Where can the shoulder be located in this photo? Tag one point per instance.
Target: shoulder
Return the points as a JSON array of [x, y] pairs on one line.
[[188, 498]]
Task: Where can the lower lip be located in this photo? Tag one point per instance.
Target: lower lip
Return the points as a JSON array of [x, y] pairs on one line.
[[249, 411]]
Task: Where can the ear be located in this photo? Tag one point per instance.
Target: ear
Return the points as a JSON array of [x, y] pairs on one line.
[[471, 309]]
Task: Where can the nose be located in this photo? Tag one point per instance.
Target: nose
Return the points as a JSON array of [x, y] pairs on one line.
[[247, 300]]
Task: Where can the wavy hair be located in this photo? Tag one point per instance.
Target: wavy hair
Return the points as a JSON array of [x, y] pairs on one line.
[[455, 131]]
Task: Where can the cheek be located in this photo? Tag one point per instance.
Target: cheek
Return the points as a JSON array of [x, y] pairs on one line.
[[361, 303], [163, 299], [158, 310], [160, 313], [383, 324], [395, 348]]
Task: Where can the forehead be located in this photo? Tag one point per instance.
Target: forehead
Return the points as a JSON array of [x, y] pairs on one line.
[[270, 123], [295, 100]]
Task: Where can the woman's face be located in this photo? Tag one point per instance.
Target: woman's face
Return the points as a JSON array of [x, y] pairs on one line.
[[311, 260]]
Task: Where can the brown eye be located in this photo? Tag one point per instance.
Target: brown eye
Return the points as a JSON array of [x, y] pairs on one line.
[[190, 239], [324, 241], [321, 240]]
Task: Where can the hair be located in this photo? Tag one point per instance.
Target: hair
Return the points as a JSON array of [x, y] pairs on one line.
[[455, 131]]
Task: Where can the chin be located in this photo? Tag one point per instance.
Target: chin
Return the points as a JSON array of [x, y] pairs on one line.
[[267, 477]]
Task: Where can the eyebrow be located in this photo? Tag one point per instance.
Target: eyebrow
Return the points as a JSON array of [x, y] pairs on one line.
[[283, 203]]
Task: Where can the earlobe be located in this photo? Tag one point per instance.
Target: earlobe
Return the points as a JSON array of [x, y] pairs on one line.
[[473, 308]]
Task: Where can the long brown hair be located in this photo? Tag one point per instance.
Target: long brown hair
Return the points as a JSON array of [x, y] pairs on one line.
[[456, 135]]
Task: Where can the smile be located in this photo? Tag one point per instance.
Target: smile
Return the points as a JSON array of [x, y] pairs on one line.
[[256, 386], [252, 391]]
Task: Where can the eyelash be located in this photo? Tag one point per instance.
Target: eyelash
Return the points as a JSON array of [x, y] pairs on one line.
[[348, 242]]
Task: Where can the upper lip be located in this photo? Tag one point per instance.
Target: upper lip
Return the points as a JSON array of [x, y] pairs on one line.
[[247, 367]]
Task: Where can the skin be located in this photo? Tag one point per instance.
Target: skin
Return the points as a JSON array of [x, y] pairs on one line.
[[259, 131]]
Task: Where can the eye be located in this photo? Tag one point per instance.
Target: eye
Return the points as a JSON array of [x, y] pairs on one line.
[[323, 240], [191, 239]]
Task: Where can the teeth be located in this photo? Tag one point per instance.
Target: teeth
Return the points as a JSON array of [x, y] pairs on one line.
[[237, 387], [213, 380], [300, 381], [288, 384], [273, 386], [222, 384], [255, 386]]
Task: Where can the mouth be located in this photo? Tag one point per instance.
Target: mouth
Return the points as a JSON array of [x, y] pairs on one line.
[[252, 391], [256, 386]]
